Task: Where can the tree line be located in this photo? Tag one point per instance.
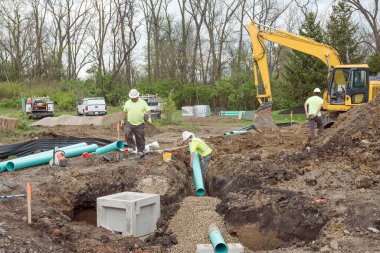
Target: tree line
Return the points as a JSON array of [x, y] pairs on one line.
[[197, 51]]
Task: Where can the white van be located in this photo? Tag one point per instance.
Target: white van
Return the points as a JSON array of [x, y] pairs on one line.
[[92, 106]]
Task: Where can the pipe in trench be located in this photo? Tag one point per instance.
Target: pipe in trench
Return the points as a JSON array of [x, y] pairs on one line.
[[197, 174], [37, 159], [110, 147], [217, 239]]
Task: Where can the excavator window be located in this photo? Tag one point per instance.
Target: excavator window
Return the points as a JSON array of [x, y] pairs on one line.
[[358, 79], [339, 82]]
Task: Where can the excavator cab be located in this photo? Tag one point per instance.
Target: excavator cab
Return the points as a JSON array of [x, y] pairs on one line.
[[348, 86]]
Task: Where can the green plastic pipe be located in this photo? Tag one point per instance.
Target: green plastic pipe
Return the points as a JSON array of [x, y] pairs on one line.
[[81, 144], [236, 132], [197, 174], [80, 150], [3, 166], [217, 239], [110, 147], [37, 159]]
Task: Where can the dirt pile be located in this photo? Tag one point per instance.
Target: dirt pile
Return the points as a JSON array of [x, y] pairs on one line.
[[59, 193], [283, 191], [68, 120]]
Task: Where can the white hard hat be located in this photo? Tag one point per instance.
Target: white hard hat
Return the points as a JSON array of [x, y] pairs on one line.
[[134, 93], [317, 90], [186, 135]]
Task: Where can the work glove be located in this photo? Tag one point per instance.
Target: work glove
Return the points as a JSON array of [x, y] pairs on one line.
[[122, 122], [149, 120]]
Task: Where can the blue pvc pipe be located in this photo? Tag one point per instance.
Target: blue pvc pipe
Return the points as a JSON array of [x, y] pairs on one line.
[[110, 147], [236, 132], [197, 174], [3, 166], [80, 150], [37, 159], [217, 240]]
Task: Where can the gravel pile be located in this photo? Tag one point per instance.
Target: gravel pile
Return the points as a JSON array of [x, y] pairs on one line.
[[191, 223], [68, 120]]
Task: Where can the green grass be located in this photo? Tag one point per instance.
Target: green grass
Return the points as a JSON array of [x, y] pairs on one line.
[[285, 118]]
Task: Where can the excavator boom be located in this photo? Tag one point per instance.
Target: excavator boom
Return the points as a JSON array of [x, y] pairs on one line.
[[348, 86]]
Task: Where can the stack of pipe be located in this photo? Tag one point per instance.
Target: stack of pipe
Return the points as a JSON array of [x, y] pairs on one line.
[[45, 157]]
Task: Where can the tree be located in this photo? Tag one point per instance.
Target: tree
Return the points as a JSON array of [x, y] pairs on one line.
[[370, 11], [303, 72], [374, 64], [342, 34]]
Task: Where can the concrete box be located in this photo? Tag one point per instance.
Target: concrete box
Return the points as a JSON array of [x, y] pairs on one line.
[[130, 213], [232, 248]]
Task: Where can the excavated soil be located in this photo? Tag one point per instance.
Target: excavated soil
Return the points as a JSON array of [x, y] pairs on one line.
[[273, 191]]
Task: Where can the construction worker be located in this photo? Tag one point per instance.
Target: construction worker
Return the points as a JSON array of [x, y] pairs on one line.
[[201, 148], [313, 106], [133, 121]]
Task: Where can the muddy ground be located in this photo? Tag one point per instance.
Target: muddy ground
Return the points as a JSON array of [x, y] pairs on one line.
[[278, 190]]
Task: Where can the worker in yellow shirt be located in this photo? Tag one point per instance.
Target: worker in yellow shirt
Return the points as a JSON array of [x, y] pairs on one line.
[[201, 148], [133, 121], [313, 106]]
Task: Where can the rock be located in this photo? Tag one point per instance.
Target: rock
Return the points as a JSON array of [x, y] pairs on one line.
[[104, 239], [325, 249], [364, 143], [24, 219], [346, 232], [311, 182], [56, 232], [363, 182], [334, 245]]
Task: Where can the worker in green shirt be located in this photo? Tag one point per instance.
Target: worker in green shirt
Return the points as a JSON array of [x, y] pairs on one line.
[[133, 120], [313, 106], [199, 146]]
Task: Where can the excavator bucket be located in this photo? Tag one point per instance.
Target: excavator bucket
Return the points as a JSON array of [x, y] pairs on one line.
[[263, 117]]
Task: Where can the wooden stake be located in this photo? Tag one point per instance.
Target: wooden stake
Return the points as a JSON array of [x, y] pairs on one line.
[[118, 131], [29, 201], [291, 117]]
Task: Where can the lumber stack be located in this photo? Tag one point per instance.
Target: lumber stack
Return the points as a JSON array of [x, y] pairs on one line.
[[7, 124]]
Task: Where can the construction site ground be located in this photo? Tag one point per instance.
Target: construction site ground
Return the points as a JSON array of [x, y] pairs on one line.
[[271, 190]]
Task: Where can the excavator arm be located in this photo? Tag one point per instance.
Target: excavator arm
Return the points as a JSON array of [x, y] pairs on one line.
[[324, 52]]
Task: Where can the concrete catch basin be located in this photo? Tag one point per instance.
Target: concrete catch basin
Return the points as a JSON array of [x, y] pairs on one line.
[[129, 213]]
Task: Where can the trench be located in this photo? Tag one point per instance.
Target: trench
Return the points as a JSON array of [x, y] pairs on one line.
[[261, 217]]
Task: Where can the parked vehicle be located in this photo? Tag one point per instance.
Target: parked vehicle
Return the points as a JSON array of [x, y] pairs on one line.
[[155, 104], [92, 106], [38, 107]]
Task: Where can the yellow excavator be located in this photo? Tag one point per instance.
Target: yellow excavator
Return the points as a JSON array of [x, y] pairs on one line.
[[348, 85]]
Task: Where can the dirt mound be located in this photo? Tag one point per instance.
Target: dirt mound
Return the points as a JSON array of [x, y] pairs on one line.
[[59, 193], [285, 191], [358, 124], [68, 120]]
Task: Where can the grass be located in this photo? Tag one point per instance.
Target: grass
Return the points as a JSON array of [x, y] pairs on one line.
[[285, 118]]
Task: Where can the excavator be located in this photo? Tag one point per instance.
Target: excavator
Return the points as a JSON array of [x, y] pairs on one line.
[[348, 85]]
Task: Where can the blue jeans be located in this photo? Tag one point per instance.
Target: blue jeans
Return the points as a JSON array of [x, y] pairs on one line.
[[204, 164]]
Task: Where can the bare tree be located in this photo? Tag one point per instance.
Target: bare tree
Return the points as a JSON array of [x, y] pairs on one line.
[[370, 12]]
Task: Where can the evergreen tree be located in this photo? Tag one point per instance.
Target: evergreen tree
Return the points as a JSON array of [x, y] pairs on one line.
[[342, 34], [374, 64], [303, 72]]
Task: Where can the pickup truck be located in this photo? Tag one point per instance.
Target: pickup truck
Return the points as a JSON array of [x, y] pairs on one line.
[[92, 106]]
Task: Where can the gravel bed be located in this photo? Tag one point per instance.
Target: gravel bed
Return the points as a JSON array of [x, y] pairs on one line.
[[191, 223]]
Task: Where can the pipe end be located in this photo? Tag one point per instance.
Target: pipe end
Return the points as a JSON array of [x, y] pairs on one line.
[[221, 248], [201, 192], [10, 166], [120, 144]]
